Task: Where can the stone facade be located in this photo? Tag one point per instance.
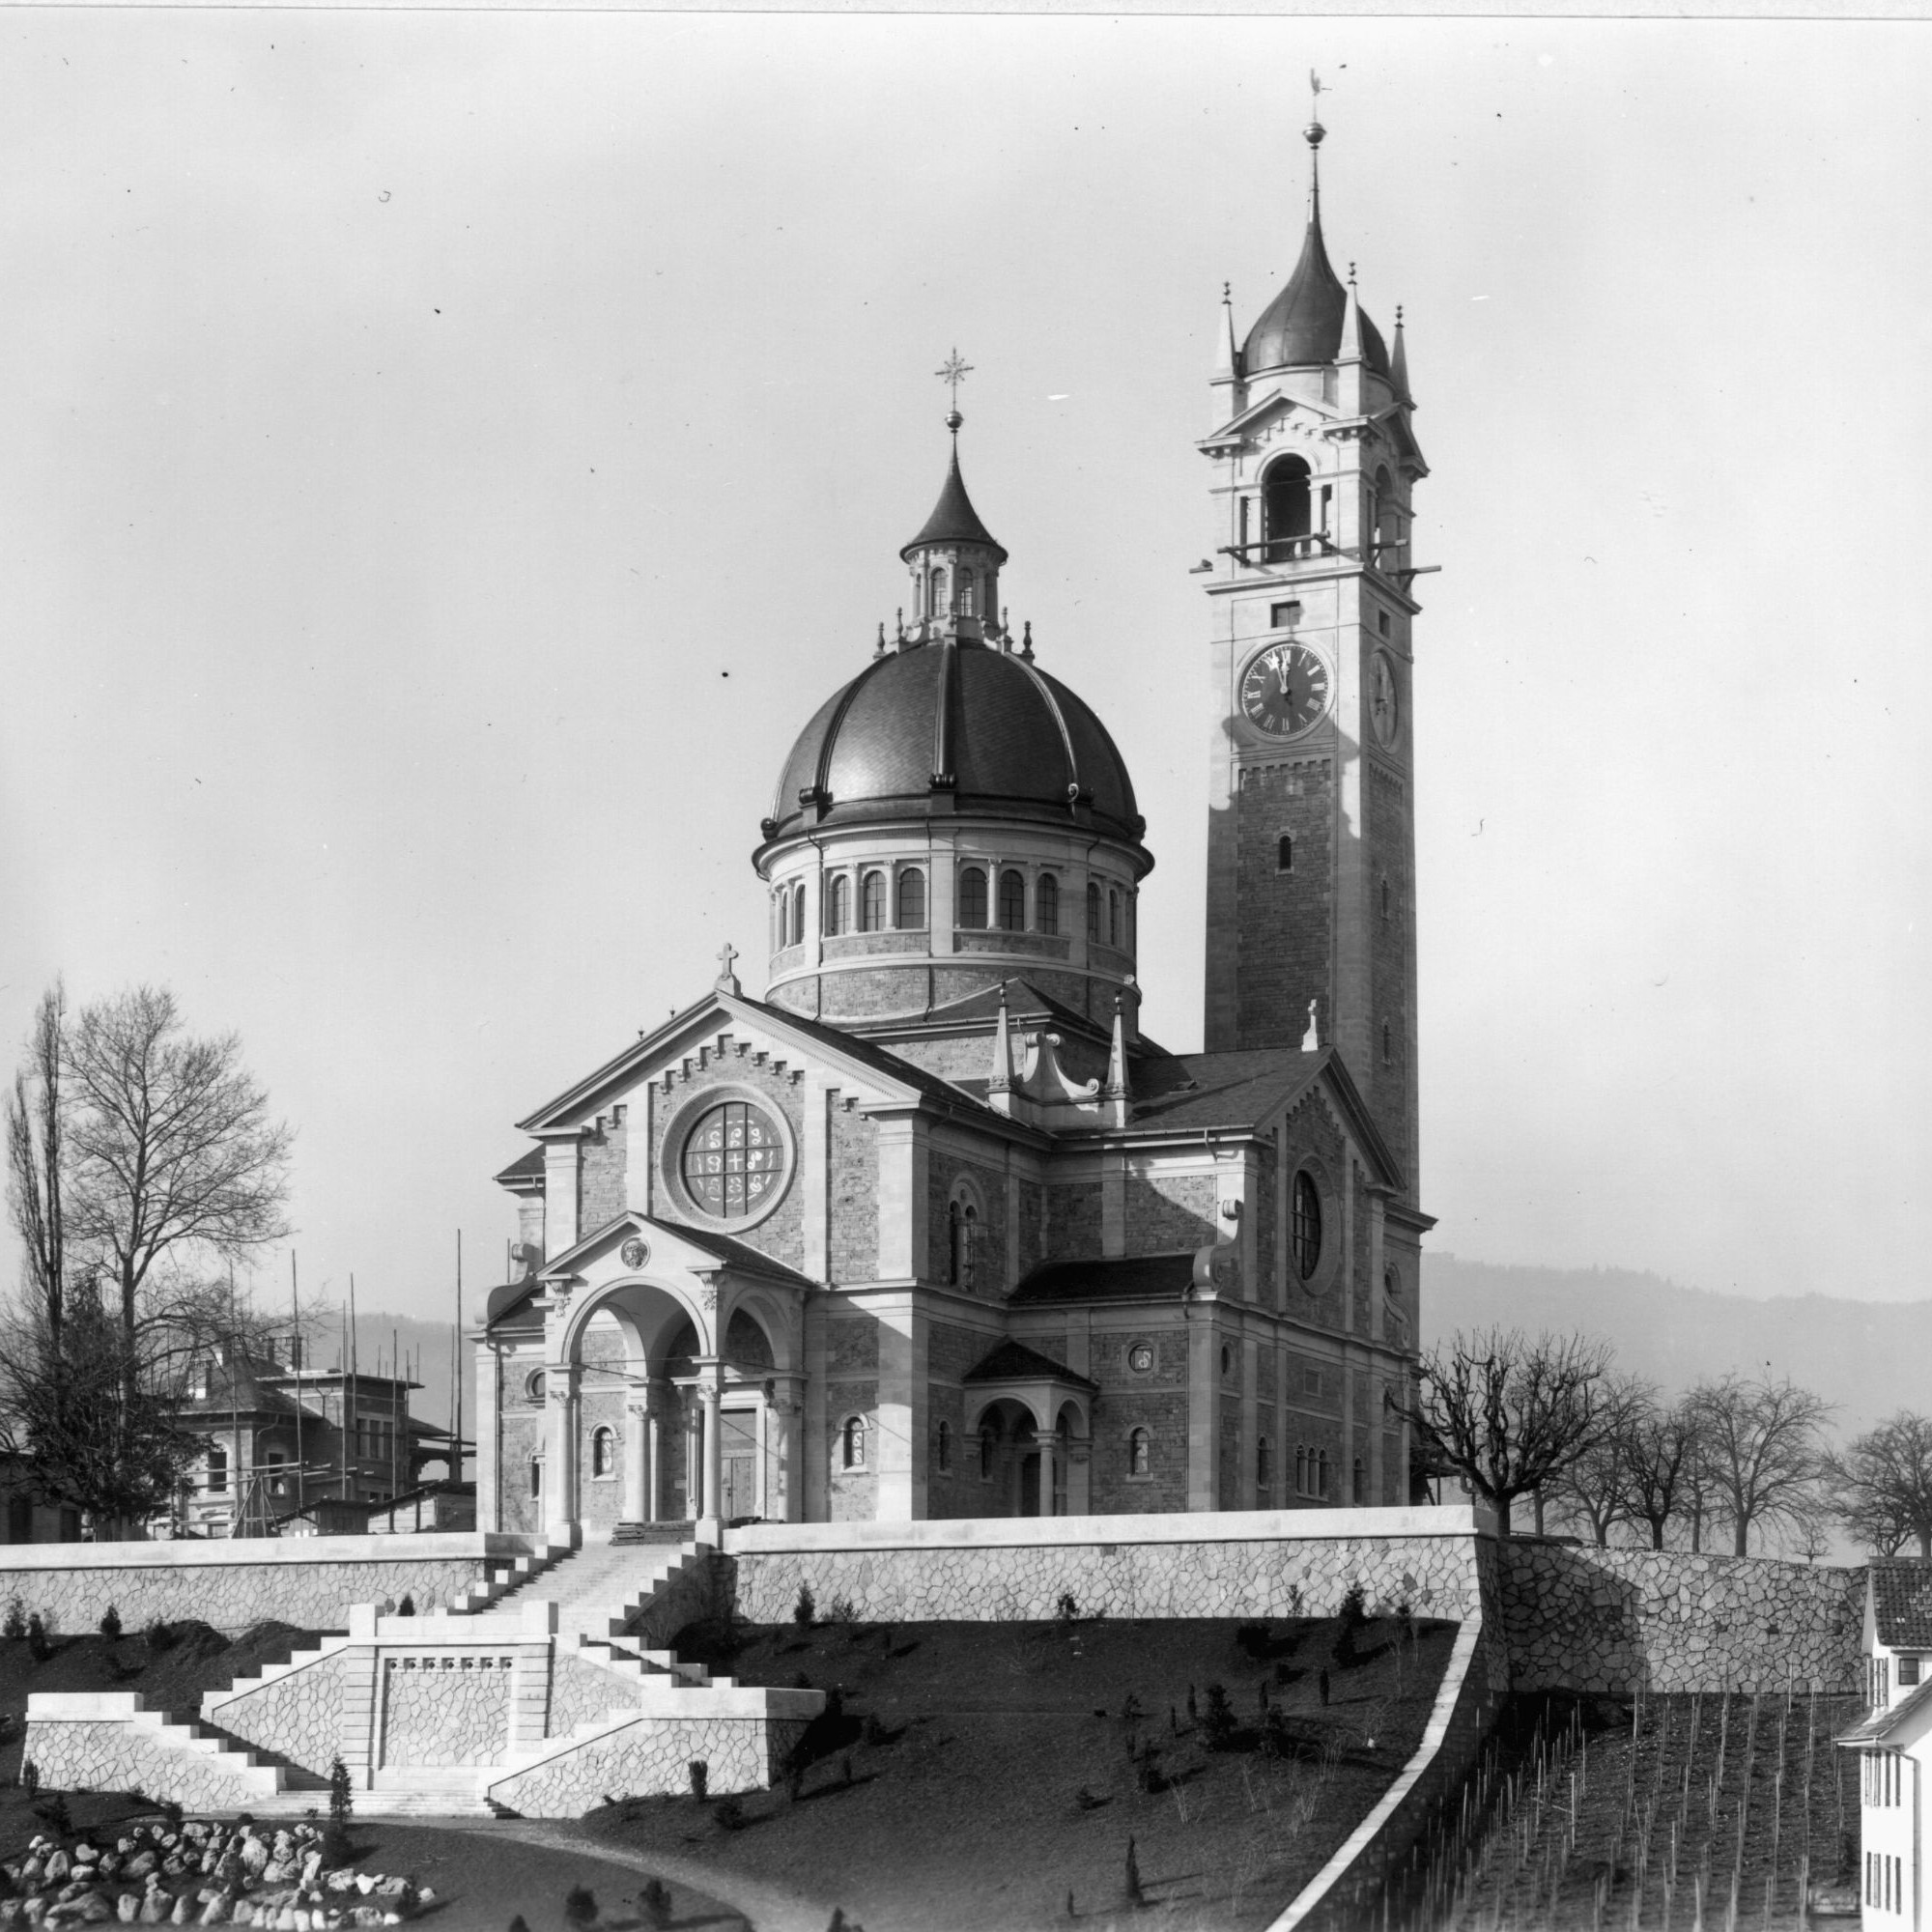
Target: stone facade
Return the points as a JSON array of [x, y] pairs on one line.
[[1625, 1620], [579, 1690], [298, 1716], [1283, 914], [116, 1756], [445, 1708]]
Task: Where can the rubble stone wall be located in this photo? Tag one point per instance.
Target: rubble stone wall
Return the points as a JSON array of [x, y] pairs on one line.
[[651, 1757], [579, 1689], [448, 1709], [1625, 1620], [112, 1754], [298, 1717]]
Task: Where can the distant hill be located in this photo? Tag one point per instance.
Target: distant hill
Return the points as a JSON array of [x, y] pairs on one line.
[[1868, 1358]]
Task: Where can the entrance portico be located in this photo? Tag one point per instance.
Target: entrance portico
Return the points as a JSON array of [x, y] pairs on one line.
[[707, 1360]]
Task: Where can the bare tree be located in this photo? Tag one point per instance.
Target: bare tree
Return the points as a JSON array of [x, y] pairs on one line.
[[1510, 1415], [1593, 1490], [1881, 1485], [171, 1157], [1658, 1468], [1759, 1452], [35, 1192]]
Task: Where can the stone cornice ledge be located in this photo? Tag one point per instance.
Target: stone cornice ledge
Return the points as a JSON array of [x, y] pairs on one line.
[[462, 1546]]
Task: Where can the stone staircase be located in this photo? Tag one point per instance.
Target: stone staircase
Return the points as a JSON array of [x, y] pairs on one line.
[[598, 1590]]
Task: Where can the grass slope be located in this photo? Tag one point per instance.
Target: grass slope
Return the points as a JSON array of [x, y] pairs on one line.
[[980, 1775]]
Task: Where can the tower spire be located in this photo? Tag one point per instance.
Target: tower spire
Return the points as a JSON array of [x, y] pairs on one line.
[[1314, 135]]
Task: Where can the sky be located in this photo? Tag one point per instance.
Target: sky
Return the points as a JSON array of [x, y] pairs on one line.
[[449, 457]]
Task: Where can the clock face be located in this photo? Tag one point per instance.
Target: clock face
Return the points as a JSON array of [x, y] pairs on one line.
[[1381, 700], [1285, 690]]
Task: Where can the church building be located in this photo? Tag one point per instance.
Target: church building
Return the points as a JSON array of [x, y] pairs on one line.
[[933, 1228]]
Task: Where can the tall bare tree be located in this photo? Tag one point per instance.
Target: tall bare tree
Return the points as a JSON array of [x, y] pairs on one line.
[[171, 1155], [1759, 1450], [1593, 1491], [1657, 1468], [1881, 1485], [35, 1177], [1510, 1414]]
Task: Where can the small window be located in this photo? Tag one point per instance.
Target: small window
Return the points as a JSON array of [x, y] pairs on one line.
[[536, 1475], [1227, 1359], [533, 1384], [798, 915], [966, 590], [935, 592], [852, 1443], [1140, 1454], [1283, 854], [604, 1453], [1284, 616], [872, 902], [1311, 1383], [1321, 1473], [945, 1447], [1360, 1490], [1263, 1474], [1012, 902], [839, 904], [962, 1228], [973, 898], [1047, 903], [1093, 912], [912, 898], [217, 1467], [1305, 1231], [1908, 1670]]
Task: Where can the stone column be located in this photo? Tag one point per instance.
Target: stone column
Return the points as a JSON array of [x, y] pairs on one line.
[[636, 1466], [1049, 1465], [654, 1467], [713, 1452], [561, 1412]]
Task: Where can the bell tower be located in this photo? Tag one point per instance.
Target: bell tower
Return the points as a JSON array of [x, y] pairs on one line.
[[1311, 828]]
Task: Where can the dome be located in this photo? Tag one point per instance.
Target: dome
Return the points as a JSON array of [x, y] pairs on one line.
[[1303, 325], [959, 728]]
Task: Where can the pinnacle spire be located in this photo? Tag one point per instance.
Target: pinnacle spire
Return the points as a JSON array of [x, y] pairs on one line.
[[1398, 359]]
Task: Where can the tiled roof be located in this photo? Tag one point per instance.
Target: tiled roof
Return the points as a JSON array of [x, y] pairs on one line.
[[236, 1388], [1881, 1725], [1015, 1362], [1221, 1090], [1123, 1278], [1902, 1604]]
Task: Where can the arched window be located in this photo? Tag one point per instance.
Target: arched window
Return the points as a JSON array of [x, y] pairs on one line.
[[852, 1443], [966, 588], [945, 1447], [798, 915], [217, 1467], [872, 902], [1047, 903], [963, 1229], [1283, 854], [1388, 1045], [912, 898], [1140, 1454], [1262, 1472], [935, 592], [1305, 1229], [1113, 917], [1300, 1470], [1013, 901], [839, 904], [1093, 912], [1132, 906], [1283, 506], [973, 896], [536, 1475], [603, 1452], [1359, 1492], [985, 1454]]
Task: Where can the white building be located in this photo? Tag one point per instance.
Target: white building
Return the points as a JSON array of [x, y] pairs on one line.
[[1894, 1744]]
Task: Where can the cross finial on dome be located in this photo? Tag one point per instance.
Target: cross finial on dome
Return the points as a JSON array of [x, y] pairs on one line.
[[953, 372]]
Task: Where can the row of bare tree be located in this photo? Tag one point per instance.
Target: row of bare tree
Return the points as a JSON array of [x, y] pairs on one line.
[[142, 1168], [1553, 1419]]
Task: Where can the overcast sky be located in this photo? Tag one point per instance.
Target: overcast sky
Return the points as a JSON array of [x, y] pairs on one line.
[[447, 458]]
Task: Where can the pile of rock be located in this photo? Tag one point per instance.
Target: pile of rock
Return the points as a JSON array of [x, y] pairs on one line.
[[199, 1873]]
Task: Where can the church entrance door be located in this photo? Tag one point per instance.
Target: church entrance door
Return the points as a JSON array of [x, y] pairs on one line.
[[738, 1446]]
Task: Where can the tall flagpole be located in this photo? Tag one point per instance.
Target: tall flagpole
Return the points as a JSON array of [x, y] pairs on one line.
[[456, 1373]]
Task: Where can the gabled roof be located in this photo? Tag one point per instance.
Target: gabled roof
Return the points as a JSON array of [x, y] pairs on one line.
[[721, 1248], [1887, 1727], [1902, 1604], [237, 1387], [1121, 1278], [1015, 1362], [527, 1166]]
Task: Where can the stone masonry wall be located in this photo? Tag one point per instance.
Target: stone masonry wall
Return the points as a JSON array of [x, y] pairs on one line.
[[1622, 1620], [1282, 917], [234, 1596], [580, 1689], [1262, 1579], [115, 1756], [683, 1597], [298, 1717], [451, 1709], [651, 1758]]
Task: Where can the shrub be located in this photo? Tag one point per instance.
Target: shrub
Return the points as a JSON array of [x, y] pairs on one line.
[[519, 1923], [30, 1778], [341, 1804], [1147, 1773], [729, 1813], [1065, 1609], [1254, 1639], [654, 1902], [700, 1778], [843, 1611], [171, 1813], [1217, 1723], [110, 1624], [580, 1906], [14, 1625], [158, 1636], [38, 1646], [408, 1607], [805, 1612], [52, 1812]]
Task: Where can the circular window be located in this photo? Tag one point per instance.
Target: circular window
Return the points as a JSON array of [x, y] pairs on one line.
[[1140, 1359], [1305, 1233], [734, 1160]]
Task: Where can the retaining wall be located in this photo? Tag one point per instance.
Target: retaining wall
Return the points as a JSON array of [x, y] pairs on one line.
[[1626, 1620], [308, 1581]]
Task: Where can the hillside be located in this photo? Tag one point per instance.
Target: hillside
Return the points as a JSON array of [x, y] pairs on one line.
[[1866, 1356]]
